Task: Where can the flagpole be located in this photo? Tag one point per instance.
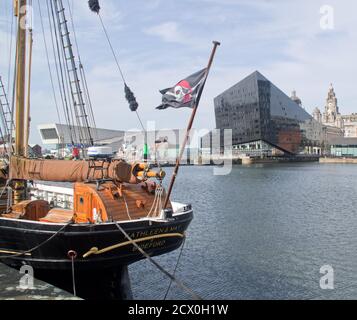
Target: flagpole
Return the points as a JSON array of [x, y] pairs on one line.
[[190, 124]]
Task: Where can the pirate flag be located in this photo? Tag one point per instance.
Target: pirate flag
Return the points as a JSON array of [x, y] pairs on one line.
[[184, 93]]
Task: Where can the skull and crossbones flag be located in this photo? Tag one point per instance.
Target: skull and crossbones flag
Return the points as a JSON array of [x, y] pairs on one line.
[[184, 93]]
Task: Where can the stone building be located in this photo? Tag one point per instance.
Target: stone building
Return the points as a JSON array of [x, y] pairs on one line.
[[317, 115], [332, 117], [350, 125]]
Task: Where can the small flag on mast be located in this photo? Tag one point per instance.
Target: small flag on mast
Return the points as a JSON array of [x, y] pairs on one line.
[[94, 5], [184, 93]]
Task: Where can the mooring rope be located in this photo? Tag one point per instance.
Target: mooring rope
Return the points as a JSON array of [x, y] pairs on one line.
[[73, 279], [73, 255], [157, 265], [177, 264]]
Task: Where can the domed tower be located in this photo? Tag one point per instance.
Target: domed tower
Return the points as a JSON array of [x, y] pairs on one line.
[[295, 98], [317, 115], [331, 109]]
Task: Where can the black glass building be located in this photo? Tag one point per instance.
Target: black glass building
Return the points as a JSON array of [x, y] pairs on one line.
[[260, 113]]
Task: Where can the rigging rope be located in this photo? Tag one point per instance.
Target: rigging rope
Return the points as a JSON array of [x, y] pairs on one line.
[[59, 72], [2, 140], [48, 62], [133, 104], [112, 48], [89, 101], [157, 265], [82, 73], [61, 75], [127, 207], [27, 252], [4, 188], [156, 207], [11, 48], [84, 135], [177, 264], [12, 124]]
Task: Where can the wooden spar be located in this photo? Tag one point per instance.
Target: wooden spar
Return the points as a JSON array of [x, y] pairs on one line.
[[28, 104], [21, 78], [22, 168], [190, 124], [16, 8], [21, 11]]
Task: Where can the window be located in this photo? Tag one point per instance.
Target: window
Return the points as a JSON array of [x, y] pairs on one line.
[[49, 134]]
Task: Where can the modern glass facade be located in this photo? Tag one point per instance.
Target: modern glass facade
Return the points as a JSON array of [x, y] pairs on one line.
[[256, 110], [344, 151], [344, 147]]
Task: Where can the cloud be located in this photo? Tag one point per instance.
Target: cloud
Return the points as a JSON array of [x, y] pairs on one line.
[[168, 32], [282, 39]]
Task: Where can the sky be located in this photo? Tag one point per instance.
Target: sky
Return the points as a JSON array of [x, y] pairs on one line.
[[159, 42]]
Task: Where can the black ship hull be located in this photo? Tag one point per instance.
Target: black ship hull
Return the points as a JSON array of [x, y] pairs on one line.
[[17, 236]]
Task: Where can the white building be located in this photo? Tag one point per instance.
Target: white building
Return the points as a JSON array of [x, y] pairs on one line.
[[332, 117], [60, 134], [163, 145], [350, 125]]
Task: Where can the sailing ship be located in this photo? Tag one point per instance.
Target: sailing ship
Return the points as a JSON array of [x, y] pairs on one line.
[[116, 208]]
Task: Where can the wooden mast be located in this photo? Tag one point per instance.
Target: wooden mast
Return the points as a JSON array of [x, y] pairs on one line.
[[21, 12], [189, 127], [28, 103]]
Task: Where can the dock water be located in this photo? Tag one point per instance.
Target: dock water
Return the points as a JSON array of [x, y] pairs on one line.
[[11, 288]]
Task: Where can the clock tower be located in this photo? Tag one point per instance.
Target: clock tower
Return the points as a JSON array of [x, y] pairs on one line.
[[332, 113]]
